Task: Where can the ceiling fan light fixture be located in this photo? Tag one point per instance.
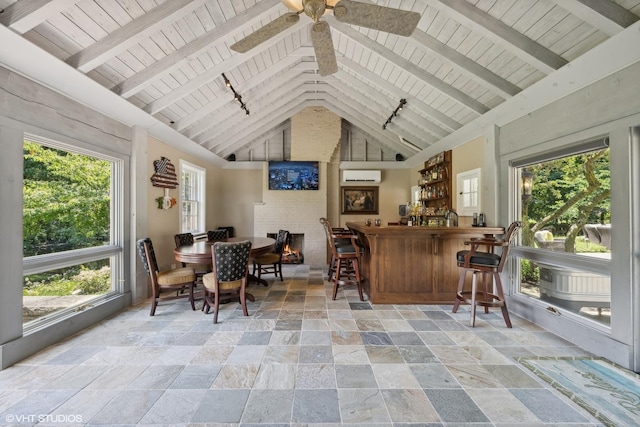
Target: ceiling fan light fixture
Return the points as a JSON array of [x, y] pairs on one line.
[[297, 6]]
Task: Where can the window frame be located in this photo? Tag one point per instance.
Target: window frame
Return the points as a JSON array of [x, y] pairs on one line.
[[557, 259], [113, 251], [201, 179], [468, 210]]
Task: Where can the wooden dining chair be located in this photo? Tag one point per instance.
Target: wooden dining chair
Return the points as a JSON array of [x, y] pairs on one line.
[[173, 280], [228, 280], [486, 265], [271, 263]]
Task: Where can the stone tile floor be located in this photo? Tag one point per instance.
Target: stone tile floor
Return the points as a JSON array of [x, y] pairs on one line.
[[299, 359]]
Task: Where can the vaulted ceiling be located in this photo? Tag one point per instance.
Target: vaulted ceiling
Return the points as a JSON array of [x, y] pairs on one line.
[[464, 59]]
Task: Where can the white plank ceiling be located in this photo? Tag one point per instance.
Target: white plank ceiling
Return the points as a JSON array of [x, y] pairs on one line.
[[464, 59]]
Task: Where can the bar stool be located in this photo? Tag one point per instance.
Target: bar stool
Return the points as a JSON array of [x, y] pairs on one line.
[[484, 266], [344, 266]]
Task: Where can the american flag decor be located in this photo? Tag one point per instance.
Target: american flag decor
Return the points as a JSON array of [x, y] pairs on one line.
[[165, 174]]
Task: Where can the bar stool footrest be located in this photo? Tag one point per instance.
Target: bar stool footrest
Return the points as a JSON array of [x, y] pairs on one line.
[[495, 302]]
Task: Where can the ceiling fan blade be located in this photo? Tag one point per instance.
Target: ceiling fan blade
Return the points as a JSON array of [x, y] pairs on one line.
[[273, 28], [395, 21], [323, 47]]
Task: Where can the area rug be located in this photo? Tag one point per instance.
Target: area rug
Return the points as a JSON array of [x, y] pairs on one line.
[[607, 391]]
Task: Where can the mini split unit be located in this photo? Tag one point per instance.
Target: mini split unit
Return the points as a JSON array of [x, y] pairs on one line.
[[361, 176]]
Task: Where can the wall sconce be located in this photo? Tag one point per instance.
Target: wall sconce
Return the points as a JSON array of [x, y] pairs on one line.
[[527, 185], [395, 113], [236, 95]]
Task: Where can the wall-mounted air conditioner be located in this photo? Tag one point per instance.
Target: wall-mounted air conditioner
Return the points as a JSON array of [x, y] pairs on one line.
[[371, 176]]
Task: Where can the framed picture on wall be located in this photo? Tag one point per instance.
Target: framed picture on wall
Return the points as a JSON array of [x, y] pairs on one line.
[[359, 200]]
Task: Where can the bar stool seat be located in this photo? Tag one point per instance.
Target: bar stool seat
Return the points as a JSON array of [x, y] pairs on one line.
[[485, 267]]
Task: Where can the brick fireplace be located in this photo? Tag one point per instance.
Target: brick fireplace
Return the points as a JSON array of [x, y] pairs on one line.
[[315, 135]]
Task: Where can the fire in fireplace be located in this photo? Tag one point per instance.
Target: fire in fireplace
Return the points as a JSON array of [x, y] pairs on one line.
[[292, 249]]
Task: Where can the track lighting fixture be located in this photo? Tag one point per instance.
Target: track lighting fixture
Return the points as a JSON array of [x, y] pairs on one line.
[[395, 113], [236, 95]]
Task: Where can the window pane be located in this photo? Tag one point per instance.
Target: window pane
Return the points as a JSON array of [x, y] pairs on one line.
[[563, 200], [585, 293], [566, 207], [192, 198], [52, 291], [66, 200]]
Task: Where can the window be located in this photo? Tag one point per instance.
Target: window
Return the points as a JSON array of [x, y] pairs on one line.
[[71, 250], [192, 198], [468, 186], [565, 208]]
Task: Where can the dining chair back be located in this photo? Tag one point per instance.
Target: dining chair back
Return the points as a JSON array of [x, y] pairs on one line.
[[488, 265], [217, 235], [272, 262], [229, 277], [183, 239], [175, 279]]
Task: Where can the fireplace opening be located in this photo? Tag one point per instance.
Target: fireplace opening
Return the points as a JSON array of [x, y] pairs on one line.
[[293, 248]]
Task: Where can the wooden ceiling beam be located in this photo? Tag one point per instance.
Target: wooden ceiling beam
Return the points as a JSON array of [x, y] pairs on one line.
[[406, 65], [605, 15], [274, 117], [374, 109], [500, 33], [408, 111], [215, 72], [263, 137], [227, 129], [210, 40], [466, 65], [131, 33], [420, 106], [261, 120], [223, 120], [364, 122], [24, 15], [244, 86]]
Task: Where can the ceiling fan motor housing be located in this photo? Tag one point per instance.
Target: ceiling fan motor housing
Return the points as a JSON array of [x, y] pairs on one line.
[[314, 8]]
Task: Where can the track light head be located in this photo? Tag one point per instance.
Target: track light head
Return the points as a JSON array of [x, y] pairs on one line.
[[236, 95], [394, 113]]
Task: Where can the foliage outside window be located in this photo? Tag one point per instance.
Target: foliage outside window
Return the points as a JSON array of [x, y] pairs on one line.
[[567, 194], [66, 214], [66, 200], [562, 200]]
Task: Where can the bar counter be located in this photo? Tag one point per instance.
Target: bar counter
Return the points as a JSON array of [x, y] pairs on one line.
[[413, 265]]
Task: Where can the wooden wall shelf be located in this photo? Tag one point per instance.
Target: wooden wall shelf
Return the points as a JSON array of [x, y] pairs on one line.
[[435, 183]]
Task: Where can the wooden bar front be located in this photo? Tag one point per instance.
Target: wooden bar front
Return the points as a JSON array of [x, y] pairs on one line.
[[413, 265]]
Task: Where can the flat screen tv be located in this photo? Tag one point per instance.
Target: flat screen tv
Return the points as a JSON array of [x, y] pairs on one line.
[[293, 175]]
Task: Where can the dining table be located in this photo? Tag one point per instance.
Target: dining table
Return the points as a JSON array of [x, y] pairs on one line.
[[200, 253]]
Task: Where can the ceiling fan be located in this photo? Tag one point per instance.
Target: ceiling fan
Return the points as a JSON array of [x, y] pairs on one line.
[[372, 16]]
